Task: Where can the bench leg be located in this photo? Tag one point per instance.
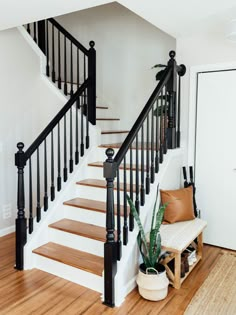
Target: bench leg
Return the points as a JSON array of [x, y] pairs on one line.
[[200, 245], [177, 283]]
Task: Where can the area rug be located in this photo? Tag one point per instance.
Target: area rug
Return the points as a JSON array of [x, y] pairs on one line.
[[217, 295]]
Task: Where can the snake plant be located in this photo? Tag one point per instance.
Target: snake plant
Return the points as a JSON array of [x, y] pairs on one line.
[[149, 249]]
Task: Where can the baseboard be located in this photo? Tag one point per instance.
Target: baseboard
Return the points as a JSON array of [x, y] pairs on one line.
[[7, 230]]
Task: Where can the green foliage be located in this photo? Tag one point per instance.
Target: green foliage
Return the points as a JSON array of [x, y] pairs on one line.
[[151, 250]]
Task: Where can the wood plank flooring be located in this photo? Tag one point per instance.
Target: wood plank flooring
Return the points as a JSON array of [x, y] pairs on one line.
[[36, 292]]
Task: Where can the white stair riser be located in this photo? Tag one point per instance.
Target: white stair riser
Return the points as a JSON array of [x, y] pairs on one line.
[[72, 274], [113, 138], [101, 155], [87, 216], [78, 242], [94, 192], [97, 172], [108, 124]]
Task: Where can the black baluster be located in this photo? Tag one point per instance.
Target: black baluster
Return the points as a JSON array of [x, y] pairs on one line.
[[110, 247], [162, 128], [92, 84], [52, 168], [41, 35], [142, 188], [147, 160], [47, 50], [38, 207], [82, 129], [28, 28], [87, 123], [31, 227], [125, 227], [76, 133], [119, 243], [58, 158], [165, 146], [65, 171], [35, 32], [152, 169], [178, 119], [157, 138], [45, 177], [65, 68], [59, 60], [71, 69], [78, 79], [71, 162], [21, 235], [137, 176], [53, 56], [131, 218]]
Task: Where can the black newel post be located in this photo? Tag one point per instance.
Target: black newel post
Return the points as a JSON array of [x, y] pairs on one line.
[[92, 84], [110, 247], [20, 220], [41, 36], [171, 89], [181, 69]]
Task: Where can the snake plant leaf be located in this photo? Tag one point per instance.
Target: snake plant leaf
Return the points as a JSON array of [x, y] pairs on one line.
[[137, 219], [158, 249], [144, 256], [154, 208], [155, 246]]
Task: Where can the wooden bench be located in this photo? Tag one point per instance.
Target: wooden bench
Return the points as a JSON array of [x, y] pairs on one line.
[[175, 239]]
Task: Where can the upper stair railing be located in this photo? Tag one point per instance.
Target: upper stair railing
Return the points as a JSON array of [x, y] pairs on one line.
[[68, 62], [156, 130], [49, 159]]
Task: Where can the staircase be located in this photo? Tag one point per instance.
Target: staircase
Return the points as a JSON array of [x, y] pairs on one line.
[[81, 219]]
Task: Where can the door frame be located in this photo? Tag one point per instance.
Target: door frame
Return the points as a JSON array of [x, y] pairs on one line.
[[193, 94]]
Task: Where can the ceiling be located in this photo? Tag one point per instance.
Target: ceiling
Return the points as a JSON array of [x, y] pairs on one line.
[[177, 18]]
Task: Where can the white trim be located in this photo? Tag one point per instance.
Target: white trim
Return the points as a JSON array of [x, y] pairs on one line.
[[7, 230], [193, 99]]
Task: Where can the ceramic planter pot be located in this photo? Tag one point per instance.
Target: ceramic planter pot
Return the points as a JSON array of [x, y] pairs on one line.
[[152, 282]]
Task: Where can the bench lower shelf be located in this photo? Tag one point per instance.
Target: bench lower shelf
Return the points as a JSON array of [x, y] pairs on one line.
[[174, 276]]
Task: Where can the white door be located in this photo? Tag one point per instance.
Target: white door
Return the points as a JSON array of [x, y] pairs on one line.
[[215, 164]]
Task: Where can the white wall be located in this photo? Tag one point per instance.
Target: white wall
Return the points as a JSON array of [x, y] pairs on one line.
[[199, 51], [127, 47], [26, 106]]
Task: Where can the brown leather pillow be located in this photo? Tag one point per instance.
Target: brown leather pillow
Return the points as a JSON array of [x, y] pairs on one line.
[[180, 207]]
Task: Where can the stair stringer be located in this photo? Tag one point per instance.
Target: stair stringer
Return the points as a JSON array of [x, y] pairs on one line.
[[169, 177], [56, 210]]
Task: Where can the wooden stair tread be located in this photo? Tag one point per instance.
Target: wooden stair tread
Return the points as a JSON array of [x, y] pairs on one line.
[[100, 164], [108, 119], [118, 145], [72, 257], [99, 183], [94, 205], [79, 228], [109, 132], [102, 107]]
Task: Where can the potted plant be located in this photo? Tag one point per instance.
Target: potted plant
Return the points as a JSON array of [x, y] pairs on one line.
[[152, 280]]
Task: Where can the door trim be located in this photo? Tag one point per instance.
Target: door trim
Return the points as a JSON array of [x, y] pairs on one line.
[[193, 89]]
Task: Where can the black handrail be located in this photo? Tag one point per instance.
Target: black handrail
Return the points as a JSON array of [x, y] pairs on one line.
[[69, 36], [143, 115], [54, 121], [53, 160], [156, 125]]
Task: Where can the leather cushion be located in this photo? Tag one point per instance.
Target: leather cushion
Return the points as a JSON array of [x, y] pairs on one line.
[[180, 207]]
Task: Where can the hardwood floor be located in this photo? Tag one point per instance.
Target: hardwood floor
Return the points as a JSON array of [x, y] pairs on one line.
[[36, 292]]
